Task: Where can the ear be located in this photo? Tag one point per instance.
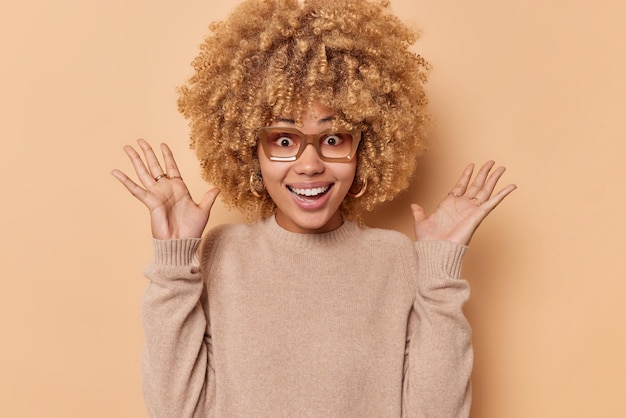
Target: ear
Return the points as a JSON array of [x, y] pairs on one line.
[[358, 188]]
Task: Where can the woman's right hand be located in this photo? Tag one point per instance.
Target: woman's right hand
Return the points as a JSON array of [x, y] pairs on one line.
[[173, 212]]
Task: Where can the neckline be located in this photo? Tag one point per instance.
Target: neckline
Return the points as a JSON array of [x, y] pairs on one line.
[[335, 237]]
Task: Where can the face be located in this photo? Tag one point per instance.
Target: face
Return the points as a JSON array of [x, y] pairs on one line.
[[307, 191]]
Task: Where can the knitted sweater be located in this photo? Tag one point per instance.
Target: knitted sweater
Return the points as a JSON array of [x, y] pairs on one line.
[[262, 322]]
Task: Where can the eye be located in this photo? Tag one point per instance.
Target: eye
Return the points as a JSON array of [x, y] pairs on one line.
[[332, 140], [284, 141]]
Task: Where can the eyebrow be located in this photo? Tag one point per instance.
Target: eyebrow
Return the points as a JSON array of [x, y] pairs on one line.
[[319, 122]]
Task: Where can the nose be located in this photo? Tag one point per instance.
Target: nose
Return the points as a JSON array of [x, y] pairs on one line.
[[309, 162]]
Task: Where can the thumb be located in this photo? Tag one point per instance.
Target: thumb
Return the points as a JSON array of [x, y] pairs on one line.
[[418, 213], [208, 199]]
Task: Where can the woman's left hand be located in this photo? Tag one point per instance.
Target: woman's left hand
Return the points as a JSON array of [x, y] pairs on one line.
[[458, 216]]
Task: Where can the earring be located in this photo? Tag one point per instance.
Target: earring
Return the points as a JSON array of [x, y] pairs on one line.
[[360, 192], [256, 184]]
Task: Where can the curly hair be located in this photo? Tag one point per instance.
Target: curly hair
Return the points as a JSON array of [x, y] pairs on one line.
[[274, 58]]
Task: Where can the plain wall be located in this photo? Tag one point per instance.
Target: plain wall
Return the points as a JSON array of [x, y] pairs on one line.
[[537, 86]]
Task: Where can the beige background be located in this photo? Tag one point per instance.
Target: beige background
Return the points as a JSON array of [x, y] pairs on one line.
[[537, 86]]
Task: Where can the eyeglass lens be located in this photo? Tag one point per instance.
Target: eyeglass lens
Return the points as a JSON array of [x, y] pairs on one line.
[[287, 144]]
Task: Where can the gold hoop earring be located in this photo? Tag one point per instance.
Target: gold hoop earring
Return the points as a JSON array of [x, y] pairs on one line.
[[255, 189], [360, 192]]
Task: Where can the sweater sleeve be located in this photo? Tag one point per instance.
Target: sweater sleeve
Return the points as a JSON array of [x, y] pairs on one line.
[[439, 356], [177, 379]]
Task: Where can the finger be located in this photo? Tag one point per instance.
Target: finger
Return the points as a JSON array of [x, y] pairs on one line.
[[418, 213], [493, 179], [134, 189], [495, 200], [463, 181], [209, 199], [145, 177], [170, 163], [479, 180], [485, 193], [154, 166]]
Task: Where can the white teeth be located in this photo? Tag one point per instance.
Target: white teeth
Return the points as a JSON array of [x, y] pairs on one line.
[[309, 192]]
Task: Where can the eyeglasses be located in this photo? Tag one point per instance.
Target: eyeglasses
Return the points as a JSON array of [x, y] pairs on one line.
[[287, 144]]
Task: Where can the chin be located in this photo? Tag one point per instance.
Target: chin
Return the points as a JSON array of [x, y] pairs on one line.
[[310, 224]]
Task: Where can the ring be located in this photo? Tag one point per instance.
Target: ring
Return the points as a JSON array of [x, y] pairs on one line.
[[174, 177], [160, 176], [480, 202], [453, 194]]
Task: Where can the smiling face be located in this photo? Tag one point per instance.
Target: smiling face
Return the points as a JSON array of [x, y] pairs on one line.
[[307, 191]]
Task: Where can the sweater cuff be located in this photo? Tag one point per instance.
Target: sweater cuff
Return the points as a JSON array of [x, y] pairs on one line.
[[440, 258], [176, 252]]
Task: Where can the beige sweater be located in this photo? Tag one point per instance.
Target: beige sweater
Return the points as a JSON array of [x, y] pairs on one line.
[[358, 322]]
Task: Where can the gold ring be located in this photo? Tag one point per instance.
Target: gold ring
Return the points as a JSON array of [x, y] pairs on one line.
[[453, 194], [480, 202], [160, 176]]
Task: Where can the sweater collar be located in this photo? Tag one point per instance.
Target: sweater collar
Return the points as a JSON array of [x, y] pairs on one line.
[[337, 237]]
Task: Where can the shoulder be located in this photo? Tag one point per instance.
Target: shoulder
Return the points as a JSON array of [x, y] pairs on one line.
[[386, 237], [228, 231], [227, 234], [224, 237], [389, 253], [385, 246]]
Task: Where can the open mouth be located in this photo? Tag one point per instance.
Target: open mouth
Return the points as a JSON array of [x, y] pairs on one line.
[[309, 194]]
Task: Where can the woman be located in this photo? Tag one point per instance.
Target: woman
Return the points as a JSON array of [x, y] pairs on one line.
[[305, 115]]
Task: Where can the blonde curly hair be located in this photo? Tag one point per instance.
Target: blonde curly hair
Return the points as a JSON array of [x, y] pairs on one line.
[[276, 58]]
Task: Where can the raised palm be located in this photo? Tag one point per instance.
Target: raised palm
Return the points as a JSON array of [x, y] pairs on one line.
[[460, 213], [173, 212]]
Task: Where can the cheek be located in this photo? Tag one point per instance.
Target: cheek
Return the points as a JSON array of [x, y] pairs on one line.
[[350, 172], [345, 173], [260, 156], [273, 173], [264, 163]]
